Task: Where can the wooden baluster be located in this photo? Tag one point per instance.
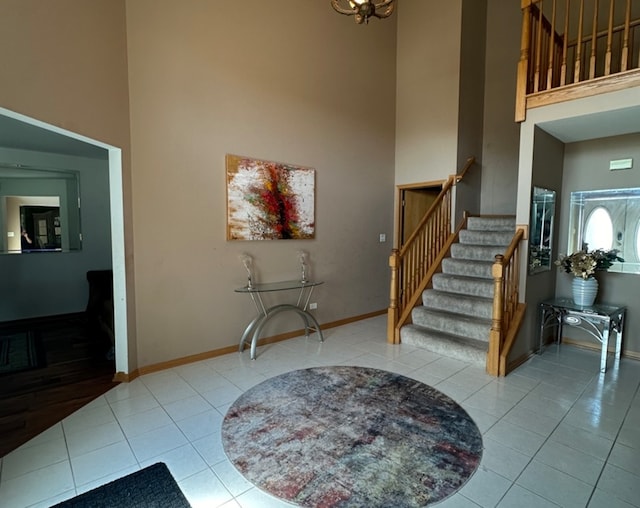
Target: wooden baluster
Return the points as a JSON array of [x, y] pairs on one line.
[[523, 63], [565, 42], [439, 226], [427, 244], [414, 267], [420, 256], [594, 41], [607, 57], [624, 57], [433, 234], [536, 76], [406, 259], [393, 314], [578, 63], [552, 46], [516, 293]]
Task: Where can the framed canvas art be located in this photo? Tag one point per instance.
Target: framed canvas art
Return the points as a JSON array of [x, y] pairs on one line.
[[269, 200]]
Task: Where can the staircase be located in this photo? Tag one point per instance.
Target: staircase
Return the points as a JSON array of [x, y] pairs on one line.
[[455, 317]]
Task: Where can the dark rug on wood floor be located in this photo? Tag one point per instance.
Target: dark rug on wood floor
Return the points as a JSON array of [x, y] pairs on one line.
[[351, 437], [151, 487], [20, 351]]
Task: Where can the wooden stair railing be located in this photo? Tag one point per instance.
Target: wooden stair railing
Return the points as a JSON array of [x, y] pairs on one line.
[[604, 55], [413, 265], [508, 312]]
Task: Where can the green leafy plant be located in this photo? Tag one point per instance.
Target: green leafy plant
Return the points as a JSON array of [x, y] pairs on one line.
[[584, 264]]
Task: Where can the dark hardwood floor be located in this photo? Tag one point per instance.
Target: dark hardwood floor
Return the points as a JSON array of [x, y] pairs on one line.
[[76, 371]]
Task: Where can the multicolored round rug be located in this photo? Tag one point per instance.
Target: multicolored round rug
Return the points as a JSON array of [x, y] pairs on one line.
[[351, 437]]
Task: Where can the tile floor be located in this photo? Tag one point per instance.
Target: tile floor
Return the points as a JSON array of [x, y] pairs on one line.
[[555, 431]]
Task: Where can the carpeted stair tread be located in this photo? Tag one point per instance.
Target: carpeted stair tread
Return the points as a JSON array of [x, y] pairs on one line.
[[461, 304], [452, 324], [474, 286], [452, 346], [473, 237], [492, 223], [455, 317], [476, 252], [467, 267]]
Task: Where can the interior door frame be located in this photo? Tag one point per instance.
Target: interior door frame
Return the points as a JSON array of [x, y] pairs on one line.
[[401, 193], [114, 157]]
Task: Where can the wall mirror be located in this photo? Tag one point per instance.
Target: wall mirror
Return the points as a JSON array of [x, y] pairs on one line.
[[39, 210], [543, 207], [607, 219]]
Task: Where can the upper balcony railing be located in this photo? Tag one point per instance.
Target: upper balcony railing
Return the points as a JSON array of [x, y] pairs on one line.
[[576, 48]]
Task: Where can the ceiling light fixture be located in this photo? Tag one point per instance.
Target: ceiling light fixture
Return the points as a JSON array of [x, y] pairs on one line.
[[364, 9]]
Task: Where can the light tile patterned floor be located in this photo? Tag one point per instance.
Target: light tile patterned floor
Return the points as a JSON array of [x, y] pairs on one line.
[[555, 431]]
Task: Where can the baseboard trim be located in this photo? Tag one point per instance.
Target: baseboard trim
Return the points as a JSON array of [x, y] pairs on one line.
[[123, 377], [515, 363], [634, 355]]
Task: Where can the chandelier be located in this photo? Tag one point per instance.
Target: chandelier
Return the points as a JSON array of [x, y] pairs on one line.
[[364, 9]]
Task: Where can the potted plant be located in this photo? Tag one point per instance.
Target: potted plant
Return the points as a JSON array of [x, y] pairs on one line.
[[583, 265]]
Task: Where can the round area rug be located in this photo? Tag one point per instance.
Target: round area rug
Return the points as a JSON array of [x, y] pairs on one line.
[[351, 436]]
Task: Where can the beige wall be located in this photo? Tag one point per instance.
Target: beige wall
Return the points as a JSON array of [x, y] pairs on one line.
[[501, 133], [204, 79], [566, 120], [586, 167], [293, 82], [471, 104], [548, 159], [65, 63], [428, 89]]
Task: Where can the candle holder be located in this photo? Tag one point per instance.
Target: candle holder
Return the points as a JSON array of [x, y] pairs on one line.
[[247, 261], [302, 257]]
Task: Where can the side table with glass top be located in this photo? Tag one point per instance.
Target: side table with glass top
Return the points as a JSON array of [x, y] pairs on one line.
[[254, 329], [598, 321]]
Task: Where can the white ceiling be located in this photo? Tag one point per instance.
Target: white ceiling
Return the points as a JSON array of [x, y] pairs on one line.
[[594, 126], [18, 134]]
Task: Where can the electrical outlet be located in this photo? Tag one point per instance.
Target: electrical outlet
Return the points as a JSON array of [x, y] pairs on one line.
[[313, 306], [383, 238]]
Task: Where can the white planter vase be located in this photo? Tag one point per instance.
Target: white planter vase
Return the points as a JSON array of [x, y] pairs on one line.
[[584, 291]]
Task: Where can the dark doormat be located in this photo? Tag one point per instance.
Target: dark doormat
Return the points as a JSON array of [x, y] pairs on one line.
[[151, 487], [20, 351]]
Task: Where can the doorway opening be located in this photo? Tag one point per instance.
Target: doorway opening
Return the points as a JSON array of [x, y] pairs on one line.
[[414, 202], [24, 133]]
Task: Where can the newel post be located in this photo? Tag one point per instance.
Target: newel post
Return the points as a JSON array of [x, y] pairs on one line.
[[393, 313], [523, 63], [495, 336]]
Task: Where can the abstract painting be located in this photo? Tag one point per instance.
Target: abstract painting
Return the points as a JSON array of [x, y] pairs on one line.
[[269, 200]]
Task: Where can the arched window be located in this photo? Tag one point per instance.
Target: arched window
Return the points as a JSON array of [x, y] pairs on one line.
[[598, 229]]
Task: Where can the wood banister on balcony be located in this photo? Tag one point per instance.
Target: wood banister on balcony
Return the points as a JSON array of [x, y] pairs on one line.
[[607, 45]]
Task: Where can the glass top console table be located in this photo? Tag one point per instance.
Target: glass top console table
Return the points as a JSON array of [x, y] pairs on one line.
[[254, 329], [598, 321]]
